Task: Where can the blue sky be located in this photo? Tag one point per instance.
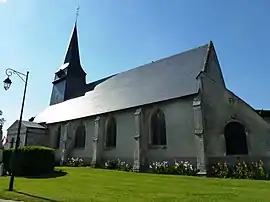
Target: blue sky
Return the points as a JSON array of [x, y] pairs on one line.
[[117, 35]]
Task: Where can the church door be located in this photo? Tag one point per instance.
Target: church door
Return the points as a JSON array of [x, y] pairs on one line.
[[235, 137]]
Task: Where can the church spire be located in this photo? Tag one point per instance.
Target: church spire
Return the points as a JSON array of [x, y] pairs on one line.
[[70, 79], [72, 54]]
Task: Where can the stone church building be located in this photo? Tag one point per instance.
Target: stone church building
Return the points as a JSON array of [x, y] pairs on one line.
[[176, 108]]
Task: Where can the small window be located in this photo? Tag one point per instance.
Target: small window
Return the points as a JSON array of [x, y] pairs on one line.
[[58, 137], [80, 137], [111, 131], [158, 128]]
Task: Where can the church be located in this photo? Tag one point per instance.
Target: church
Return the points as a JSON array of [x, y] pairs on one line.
[[176, 108]]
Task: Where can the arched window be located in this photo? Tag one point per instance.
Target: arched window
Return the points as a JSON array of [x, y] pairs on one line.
[[58, 137], [111, 131], [158, 128], [235, 137], [80, 137]]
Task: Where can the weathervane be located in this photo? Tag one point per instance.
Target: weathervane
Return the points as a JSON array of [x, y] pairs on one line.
[[77, 13]]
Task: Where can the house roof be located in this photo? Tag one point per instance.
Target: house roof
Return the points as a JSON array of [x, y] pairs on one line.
[[265, 113], [28, 124], [165, 79]]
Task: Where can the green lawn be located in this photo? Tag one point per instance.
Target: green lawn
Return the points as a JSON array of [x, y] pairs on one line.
[[86, 184]]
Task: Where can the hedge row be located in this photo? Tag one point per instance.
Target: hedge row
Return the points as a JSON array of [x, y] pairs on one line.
[[29, 161]]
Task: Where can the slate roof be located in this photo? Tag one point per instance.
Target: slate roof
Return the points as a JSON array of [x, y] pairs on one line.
[[72, 54], [28, 124], [165, 79]]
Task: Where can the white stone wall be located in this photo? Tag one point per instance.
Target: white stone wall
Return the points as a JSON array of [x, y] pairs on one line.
[[220, 107], [89, 130], [125, 143], [179, 128]]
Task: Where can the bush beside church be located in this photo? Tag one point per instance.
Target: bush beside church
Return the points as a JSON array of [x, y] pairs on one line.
[[30, 161]]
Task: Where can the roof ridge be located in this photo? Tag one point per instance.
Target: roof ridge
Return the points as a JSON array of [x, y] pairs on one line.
[[207, 56], [157, 61], [177, 54]]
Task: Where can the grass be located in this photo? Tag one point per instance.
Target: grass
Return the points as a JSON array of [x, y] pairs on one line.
[[86, 184]]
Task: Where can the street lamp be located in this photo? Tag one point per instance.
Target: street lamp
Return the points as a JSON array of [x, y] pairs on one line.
[[7, 84]]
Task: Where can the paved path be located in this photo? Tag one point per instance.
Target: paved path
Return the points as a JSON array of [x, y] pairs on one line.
[[2, 200]]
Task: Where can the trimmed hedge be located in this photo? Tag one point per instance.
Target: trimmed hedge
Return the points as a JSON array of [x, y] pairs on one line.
[[29, 161]]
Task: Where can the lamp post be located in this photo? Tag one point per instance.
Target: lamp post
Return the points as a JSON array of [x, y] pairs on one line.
[[7, 84]]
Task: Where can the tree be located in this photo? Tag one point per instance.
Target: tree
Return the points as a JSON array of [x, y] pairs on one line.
[[2, 120]]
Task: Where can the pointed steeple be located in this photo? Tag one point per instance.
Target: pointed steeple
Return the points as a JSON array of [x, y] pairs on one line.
[[70, 79], [72, 54]]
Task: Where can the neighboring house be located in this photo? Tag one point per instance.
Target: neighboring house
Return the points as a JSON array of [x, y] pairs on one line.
[[31, 134], [176, 108]]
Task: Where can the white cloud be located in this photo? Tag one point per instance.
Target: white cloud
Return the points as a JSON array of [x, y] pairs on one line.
[[3, 1]]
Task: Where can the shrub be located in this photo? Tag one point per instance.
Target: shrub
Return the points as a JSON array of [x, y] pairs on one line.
[[75, 162], [6, 159], [161, 167], [258, 170], [110, 164], [178, 168], [117, 165], [220, 170], [240, 170], [184, 168], [122, 165], [29, 161]]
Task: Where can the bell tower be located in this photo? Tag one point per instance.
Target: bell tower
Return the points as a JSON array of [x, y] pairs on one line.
[[70, 79]]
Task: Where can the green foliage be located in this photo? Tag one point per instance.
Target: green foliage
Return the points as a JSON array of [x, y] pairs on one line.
[[241, 170], [220, 170], [2, 120], [76, 162], [161, 167], [117, 165], [110, 164], [123, 166], [177, 168], [29, 161]]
